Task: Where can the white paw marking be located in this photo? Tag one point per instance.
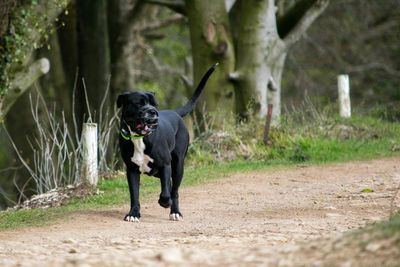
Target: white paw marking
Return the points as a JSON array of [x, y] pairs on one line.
[[139, 158], [132, 219], [175, 217]]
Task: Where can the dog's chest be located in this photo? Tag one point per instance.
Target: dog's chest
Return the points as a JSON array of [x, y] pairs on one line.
[[139, 158]]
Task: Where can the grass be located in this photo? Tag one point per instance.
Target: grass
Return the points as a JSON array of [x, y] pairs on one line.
[[322, 140], [306, 141]]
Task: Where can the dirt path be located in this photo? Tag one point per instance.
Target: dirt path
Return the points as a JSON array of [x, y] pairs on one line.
[[257, 218]]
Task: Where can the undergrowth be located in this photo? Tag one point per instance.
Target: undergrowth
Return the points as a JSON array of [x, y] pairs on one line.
[[307, 136]]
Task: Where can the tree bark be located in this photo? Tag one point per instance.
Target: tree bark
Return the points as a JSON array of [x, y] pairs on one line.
[[276, 62], [94, 53], [127, 26], [211, 41], [261, 51], [20, 125], [260, 57], [68, 42], [55, 84], [122, 49]]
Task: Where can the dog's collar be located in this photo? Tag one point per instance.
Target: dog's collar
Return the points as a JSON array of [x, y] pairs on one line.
[[130, 137]]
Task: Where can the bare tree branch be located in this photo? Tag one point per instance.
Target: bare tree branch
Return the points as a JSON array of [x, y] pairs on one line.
[[187, 82], [289, 14], [159, 24], [233, 76], [379, 30], [175, 5], [22, 81], [125, 30], [229, 4], [373, 66], [305, 22]]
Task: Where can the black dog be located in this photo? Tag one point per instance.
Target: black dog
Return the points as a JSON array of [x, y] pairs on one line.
[[155, 143]]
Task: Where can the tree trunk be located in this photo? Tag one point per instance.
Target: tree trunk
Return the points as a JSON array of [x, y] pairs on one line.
[[276, 63], [54, 85], [94, 53], [68, 42], [122, 50], [211, 43], [21, 126], [260, 57]]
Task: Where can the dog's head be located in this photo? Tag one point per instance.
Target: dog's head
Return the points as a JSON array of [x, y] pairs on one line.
[[139, 113]]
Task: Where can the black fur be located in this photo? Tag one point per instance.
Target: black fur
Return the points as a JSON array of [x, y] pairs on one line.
[[166, 139]]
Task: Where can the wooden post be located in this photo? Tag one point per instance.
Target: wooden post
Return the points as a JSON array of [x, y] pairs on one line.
[[89, 162], [268, 124], [344, 96]]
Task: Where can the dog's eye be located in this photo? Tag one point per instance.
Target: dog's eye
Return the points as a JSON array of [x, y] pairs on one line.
[[142, 102]]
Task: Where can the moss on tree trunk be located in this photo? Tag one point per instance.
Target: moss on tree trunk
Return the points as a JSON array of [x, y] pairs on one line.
[[211, 43]]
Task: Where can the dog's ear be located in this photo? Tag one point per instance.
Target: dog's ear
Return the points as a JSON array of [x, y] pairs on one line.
[[122, 98], [152, 99]]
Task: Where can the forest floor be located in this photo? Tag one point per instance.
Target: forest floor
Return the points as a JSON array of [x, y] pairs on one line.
[[301, 216]]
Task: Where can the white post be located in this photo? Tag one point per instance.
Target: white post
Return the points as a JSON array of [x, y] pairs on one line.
[[89, 162], [344, 96]]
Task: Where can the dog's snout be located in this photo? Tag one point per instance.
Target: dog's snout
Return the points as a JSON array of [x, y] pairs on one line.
[[146, 110], [150, 112], [153, 112]]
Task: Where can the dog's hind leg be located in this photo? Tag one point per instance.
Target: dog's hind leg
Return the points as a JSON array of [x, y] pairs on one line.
[[177, 174], [165, 178]]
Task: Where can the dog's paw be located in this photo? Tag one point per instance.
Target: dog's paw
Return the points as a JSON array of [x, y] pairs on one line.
[[176, 217], [133, 219], [165, 202]]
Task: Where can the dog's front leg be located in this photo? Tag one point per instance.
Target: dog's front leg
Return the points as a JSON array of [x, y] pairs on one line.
[[165, 196], [134, 183]]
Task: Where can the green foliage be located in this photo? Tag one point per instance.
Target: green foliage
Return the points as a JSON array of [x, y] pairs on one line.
[[389, 112], [164, 60], [155, 87], [28, 20], [174, 48]]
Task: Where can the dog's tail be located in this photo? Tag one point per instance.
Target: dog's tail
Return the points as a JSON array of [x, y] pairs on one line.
[[183, 111]]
